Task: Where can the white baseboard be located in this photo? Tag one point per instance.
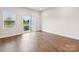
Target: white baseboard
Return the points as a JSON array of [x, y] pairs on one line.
[[4, 36], [77, 38]]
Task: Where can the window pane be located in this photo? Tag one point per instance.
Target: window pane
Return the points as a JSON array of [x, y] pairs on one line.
[[9, 19], [26, 22]]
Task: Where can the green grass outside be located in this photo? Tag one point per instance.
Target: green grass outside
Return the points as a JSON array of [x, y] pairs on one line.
[[8, 24]]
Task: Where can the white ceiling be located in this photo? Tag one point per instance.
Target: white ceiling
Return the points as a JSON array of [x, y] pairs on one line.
[[39, 8]]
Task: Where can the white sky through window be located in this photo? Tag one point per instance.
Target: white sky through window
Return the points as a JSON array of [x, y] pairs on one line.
[[8, 14], [26, 17]]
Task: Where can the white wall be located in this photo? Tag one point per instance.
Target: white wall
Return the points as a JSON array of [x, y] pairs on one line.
[[61, 21], [19, 12]]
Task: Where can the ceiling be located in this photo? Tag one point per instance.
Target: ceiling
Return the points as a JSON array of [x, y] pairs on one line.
[[39, 8]]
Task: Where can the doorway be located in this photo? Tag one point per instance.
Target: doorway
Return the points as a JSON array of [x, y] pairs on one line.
[[26, 23]]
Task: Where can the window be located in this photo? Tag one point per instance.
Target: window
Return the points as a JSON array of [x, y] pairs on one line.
[[26, 22], [9, 19]]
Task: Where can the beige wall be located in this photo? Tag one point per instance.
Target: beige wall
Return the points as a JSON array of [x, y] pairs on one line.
[[19, 12], [62, 21]]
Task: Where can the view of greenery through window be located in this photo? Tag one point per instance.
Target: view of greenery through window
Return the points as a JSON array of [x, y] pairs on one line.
[[9, 23], [26, 20], [9, 19], [26, 24]]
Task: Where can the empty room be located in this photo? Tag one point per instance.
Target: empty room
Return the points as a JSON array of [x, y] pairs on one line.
[[39, 29]]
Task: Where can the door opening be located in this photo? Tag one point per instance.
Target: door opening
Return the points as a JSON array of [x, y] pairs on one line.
[[26, 23]]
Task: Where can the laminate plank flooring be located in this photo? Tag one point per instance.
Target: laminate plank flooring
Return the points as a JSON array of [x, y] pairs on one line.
[[38, 42]]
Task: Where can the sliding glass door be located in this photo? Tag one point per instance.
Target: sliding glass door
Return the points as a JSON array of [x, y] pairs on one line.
[[26, 23]]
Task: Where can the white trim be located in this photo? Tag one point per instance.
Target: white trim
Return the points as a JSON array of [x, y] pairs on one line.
[[62, 35], [10, 35]]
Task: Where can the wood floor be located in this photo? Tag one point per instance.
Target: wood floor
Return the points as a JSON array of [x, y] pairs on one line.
[[38, 42]]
